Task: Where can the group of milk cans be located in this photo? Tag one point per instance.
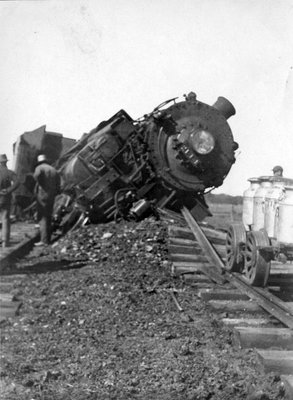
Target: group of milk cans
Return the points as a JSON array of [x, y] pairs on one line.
[[268, 205]]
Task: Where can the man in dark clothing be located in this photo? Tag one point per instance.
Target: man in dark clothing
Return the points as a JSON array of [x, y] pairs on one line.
[[8, 183], [47, 187]]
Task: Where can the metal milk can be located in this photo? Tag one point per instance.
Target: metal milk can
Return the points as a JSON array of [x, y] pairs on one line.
[[273, 196], [284, 225], [248, 195], [258, 220]]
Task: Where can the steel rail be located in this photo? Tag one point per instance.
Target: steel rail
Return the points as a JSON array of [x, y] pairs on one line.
[[203, 241], [269, 302], [272, 304]]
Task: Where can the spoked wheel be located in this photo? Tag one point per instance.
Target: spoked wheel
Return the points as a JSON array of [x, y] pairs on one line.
[[257, 267], [235, 241]]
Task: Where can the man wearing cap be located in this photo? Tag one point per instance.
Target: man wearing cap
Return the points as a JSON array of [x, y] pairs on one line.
[[47, 187], [278, 170], [8, 183]]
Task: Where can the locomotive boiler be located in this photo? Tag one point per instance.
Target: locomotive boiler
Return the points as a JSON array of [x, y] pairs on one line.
[[168, 158]]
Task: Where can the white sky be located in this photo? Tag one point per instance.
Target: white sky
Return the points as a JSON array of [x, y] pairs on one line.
[[71, 64]]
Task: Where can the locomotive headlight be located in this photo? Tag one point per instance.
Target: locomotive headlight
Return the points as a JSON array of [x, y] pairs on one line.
[[202, 141]]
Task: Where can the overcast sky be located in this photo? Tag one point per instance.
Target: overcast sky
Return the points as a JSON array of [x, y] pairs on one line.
[[71, 64]]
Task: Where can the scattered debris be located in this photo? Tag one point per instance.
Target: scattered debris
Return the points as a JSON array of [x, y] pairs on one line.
[[98, 321]]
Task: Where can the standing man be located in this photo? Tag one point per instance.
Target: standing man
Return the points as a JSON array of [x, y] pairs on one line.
[[278, 170], [47, 187], [8, 183]]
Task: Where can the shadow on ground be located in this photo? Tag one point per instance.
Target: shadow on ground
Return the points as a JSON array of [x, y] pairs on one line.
[[44, 267]]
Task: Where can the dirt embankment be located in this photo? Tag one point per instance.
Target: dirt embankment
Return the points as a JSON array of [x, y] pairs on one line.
[[110, 329]]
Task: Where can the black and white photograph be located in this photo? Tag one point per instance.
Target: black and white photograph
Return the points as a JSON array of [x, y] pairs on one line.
[[146, 200]]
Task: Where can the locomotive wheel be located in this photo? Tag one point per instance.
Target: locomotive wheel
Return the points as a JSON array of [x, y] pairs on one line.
[[235, 239], [257, 268]]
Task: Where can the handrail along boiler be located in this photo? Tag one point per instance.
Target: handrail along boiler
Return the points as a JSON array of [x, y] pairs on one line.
[[169, 157]]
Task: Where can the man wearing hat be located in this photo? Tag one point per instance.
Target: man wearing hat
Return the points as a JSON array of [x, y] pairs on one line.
[[278, 170], [8, 183], [47, 187]]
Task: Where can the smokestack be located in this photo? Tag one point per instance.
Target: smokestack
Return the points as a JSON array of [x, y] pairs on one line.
[[224, 107]]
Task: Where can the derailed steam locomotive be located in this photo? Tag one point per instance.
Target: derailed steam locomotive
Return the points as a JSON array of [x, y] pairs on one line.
[[168, 158]]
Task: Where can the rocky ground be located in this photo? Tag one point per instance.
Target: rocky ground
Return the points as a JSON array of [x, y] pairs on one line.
[[98, 321]]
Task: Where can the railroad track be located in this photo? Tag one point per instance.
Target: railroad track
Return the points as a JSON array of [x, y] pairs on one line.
[[9, 304], [23, 237], [262, 318]]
